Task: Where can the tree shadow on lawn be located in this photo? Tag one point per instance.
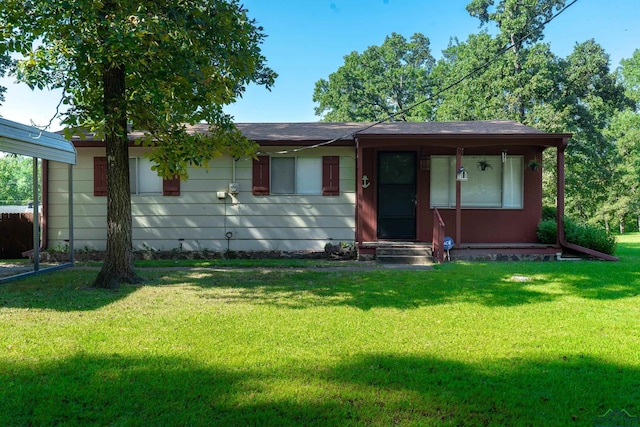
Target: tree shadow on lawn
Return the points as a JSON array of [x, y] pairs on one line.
[[490, 284], [68, 290], [371, 389], [493, 285]]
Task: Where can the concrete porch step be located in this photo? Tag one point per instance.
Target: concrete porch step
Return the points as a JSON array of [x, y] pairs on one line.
[[412, 255]]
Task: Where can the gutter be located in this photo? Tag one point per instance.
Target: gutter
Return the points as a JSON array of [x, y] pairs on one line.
[[560, 213]]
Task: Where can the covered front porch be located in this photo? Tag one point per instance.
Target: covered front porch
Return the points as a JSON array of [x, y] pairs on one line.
[[477, 183]]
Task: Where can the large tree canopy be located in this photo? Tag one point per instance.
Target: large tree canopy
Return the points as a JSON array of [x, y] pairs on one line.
[[181, 62], [5, 60], [149, 65], [381, 82], [520, 22]]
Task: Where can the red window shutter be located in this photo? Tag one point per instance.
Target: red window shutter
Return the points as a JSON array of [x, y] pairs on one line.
[[331, 175], [99, 176], [171, 187], [261, 176]]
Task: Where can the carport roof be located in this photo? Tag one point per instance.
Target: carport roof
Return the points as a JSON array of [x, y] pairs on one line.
[[29, 141]]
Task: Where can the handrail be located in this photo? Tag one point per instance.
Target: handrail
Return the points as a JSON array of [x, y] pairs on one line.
[[437, 240]]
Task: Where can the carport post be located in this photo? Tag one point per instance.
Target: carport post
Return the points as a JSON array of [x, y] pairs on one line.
[[36, 222], [71, 250]]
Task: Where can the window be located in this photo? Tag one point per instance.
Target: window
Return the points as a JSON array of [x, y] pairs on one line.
[[491, 182], [143, 179], [296, 175]]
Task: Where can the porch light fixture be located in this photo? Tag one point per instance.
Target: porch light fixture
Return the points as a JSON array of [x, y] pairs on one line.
[[461, 175]]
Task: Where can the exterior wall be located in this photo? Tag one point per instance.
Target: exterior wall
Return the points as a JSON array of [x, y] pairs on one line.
[[198, 220], [500, 225], [486, 225]]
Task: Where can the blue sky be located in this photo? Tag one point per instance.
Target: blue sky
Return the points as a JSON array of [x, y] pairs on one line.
[[307, 40]]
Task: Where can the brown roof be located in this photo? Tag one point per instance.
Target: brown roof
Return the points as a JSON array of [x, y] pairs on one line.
[[312, 132], [481, 127], [323, 131]]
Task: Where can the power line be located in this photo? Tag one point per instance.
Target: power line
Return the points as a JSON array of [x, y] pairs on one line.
[[432, 96]]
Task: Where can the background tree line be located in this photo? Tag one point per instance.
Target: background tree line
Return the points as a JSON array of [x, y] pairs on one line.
[[511, 75], [16, 180]]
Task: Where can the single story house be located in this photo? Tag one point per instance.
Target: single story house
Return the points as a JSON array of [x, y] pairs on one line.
[[386, 184]]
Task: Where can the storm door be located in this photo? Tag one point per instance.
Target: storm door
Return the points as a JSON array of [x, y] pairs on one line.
[[397, 195]]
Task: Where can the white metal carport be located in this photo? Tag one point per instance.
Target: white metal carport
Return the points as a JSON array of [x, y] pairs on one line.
[[29, 141]]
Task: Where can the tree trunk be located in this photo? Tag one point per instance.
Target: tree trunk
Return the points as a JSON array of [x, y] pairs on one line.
[[118, 263]]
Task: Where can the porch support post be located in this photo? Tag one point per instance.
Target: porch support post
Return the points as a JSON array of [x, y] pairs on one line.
[[459, 151], [359, 192]]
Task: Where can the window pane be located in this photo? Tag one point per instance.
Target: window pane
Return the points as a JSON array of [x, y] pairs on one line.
[[309, 175], [282, 175], [513, 178], [498, 185], [440, 181], [133, 180], [483, 188], [148, 181]]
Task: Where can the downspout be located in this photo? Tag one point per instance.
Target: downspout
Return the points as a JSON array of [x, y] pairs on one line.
[[560, 212]]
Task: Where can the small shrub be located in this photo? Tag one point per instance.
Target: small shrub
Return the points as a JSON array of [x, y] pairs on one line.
[[549, 212], [547, 231], [579, 234], [590, 237], [341, 251]]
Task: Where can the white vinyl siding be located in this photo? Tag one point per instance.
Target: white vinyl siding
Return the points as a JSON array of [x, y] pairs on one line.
[[296, 175], [198, 220], [499, 185]]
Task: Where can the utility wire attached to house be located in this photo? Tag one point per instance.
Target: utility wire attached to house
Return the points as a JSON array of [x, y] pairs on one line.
[[476, 70]]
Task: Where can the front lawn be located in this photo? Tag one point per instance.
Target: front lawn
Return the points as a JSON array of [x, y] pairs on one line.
[[553, 343]]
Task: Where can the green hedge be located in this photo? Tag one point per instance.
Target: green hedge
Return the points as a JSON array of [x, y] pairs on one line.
[[578, 234]]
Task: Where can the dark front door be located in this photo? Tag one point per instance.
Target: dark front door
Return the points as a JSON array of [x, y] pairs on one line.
[[397, 195]]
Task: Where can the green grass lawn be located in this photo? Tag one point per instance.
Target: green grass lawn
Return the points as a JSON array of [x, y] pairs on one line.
[[465, 344]]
